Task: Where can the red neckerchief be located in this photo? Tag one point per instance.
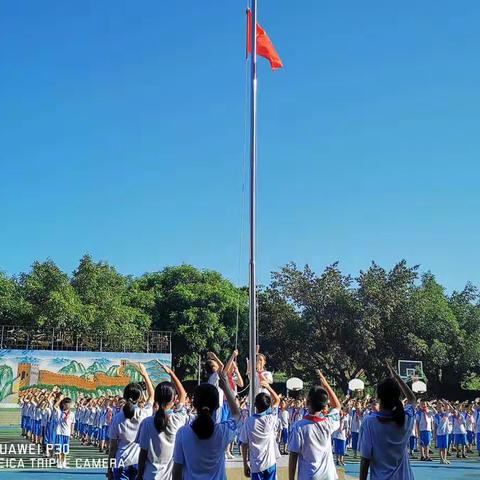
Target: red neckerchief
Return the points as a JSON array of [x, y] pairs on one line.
[[317, 418]]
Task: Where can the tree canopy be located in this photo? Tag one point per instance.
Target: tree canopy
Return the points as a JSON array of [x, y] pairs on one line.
[[345, 325]]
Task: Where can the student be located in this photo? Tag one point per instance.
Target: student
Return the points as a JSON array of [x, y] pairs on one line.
[[199, 452], [385, 434], [258, 437], [125, 426], [442, 432], [340, 438], [425, 426], [470, 425], [235, 381], [284, 424], [355, 425], [65, 420], [213, 366], [310, 443], [460, 432], [156, 437], [476, 415]]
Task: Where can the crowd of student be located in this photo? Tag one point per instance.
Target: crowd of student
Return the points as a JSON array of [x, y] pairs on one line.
[[154, 433]]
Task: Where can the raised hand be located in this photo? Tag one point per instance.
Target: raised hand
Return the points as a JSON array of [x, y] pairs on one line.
[[165, 368]]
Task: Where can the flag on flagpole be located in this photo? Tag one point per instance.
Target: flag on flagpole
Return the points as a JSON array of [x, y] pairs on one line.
[[265, 46]]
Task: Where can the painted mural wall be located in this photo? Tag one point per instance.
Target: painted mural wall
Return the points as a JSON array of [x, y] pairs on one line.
[[92, 373]]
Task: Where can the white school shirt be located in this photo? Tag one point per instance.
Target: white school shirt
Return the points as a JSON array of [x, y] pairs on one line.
[[125, 431], [477, 419], [459, 424], [37, 415], [64, 422], [385, 445], [46, 416], [31, 409], [341, 432], [159, 446], [204, 459], [425, 421], [312, 441], [259, 432], [470, 422], [265, 376], [284, 418], [24, 409], [214, 379], [355, 421], [443, 424]]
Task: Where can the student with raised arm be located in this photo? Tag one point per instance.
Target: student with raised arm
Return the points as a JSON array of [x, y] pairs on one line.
[[156, 436], [310, 443], [125, 426], [213, 367], [258, 437], [199, 452], [385, 434]]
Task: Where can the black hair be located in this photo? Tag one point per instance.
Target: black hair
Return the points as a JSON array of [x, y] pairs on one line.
[[262, 402], [131, 393], [209, 366], [65, 401], [317, 398], [164, 394], [205, 401], [389, 393]]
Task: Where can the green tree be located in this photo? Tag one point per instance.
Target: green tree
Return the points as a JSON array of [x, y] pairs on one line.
[[199, 307]]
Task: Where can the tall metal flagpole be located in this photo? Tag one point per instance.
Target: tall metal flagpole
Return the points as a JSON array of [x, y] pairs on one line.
[[253, 184]]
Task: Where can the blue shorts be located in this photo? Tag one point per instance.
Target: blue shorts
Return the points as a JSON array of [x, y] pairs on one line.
[[460, 439], [442, 441], [470, 437], [355, 441], [478, 441], [104, 433], [125, 473], [28, 423], [425, 438], [24, 420], [413, 442], [62, 444], [37, 427], [340, 446], [225, 412], [284, 435], [269, 474]]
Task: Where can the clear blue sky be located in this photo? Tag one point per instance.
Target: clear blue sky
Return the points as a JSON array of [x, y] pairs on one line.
[[122, 134]]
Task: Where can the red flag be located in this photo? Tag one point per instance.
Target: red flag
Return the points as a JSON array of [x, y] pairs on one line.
[[265, 47]]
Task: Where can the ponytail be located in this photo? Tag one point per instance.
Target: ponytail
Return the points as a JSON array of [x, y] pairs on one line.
[[203, 425], [164, 394], [206, 402], [399, 414], [131, 393], [129, 409]]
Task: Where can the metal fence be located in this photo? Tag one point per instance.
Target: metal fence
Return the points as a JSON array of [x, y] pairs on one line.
[[36, 338]]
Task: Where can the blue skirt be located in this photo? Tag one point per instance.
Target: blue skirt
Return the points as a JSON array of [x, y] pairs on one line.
[[460, 439]]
